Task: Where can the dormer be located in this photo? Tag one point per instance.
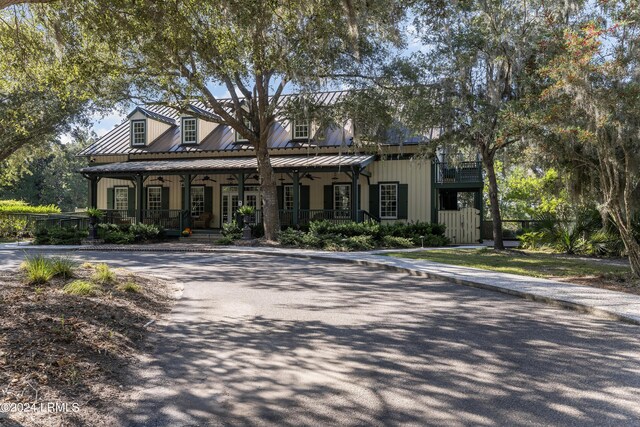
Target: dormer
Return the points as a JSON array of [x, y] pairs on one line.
[[304, 130], [146, 126], [197, 126]]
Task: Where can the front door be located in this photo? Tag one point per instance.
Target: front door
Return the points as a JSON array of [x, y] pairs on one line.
[[230, 201]]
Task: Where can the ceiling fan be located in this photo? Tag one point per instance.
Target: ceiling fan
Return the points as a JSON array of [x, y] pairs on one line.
[[207, 178], [309, 176], [161, 179]]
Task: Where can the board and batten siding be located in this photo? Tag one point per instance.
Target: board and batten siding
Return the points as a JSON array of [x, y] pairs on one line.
[[416, 174], [155, 128]]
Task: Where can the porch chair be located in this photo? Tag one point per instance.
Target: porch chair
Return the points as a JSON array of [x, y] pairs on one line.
[[202, 220]]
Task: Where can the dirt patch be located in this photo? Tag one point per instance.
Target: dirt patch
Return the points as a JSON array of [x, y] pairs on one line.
[[64, 358]]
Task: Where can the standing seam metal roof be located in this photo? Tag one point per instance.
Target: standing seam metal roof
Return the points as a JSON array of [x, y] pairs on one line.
[[233, 163]]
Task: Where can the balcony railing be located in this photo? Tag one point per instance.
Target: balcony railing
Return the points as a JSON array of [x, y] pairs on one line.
[[458, 173]]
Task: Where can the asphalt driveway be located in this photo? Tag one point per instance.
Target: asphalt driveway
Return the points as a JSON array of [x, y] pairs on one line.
[[259, 340]]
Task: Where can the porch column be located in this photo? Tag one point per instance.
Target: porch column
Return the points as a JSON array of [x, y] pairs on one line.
[[239, 217], [93, 192], [139, 199], [296, 197], [355, 195], [186, 200]]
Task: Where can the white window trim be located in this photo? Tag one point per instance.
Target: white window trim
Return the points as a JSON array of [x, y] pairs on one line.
[[239, 137], [133, 133], [380, 185], [350, 196], [115, 197], [154, 187], [295, 123], [195, 120], [204, 197]]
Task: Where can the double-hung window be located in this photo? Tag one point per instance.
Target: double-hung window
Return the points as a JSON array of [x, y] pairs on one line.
[[288, 197], [301, 129], [154, 198], [138, 132], [121, 198], [197, 201], [189, 130], [342, 198], [389, 201]]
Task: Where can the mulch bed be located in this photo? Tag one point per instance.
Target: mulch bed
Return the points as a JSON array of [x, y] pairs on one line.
[[56, 347]]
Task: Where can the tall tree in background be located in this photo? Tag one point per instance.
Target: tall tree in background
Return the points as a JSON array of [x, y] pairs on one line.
[[178, 50], [47, 87], [594, 113], [48, 175], [480, 65]]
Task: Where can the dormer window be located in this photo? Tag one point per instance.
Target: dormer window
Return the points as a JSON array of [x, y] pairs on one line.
[[139, 132], [301, 129], [239, 137], [189, 130]]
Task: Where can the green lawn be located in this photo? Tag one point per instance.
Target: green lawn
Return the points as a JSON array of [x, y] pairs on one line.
[[536, 264]]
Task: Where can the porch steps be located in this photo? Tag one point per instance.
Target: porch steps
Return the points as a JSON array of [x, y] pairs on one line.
[[202, 236]]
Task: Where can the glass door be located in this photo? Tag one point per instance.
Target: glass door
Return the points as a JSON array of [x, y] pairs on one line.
[[230, 201]]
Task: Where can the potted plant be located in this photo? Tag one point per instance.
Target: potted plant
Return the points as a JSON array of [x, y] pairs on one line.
[[246, 211], [186, 232], [94, 217]]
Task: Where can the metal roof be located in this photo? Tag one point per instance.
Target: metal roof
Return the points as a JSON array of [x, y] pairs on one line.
[[153, 115], [222, 138], [319, 162]]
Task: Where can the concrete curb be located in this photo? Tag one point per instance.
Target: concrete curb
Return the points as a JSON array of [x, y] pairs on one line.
[[300, 254]]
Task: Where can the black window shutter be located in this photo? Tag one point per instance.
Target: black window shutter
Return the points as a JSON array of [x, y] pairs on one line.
[[359, 197], [110, 198], [328, 197], [280, 190], [374, 200], [403, 201], [131, 199], [165, 198], [305, 196], [208, 199]]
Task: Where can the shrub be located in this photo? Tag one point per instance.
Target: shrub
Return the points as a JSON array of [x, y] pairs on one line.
[[130, 233], [62, 267], [59, 236], [231, 230], [129, 286], [346, 229], [360, 243], [290, 237], [257, 230], [103, 274], [81, 287], [603, 243], [225, 241], [397, 242], [38, 269], [18, 206]]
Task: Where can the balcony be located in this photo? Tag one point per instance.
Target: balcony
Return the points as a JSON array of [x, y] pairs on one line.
[[460, 174]]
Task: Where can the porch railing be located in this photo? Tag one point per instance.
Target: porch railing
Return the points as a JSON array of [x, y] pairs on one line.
[[169, 219], [119, 216], [458, 173]]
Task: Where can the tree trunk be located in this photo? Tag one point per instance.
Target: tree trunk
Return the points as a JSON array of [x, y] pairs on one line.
[[269, 192], [625, 227], [488, 161]]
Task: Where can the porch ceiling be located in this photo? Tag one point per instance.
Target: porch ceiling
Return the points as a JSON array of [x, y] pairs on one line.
[[328, 163]]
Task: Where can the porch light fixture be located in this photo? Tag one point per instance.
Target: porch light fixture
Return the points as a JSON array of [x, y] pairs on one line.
[[281, 179]]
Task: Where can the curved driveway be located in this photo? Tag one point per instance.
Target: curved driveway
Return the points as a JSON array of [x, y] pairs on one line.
[[259, 340]]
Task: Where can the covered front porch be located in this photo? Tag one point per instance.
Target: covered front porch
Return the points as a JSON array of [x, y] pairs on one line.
[[310, 188]]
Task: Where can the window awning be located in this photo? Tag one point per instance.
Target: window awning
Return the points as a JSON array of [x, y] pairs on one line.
[[327, 163]]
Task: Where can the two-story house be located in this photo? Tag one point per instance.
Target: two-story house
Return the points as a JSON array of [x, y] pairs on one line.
[[175, 170]]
